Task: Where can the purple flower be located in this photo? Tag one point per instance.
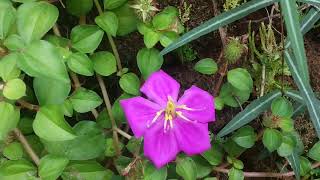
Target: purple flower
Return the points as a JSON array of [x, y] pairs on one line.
[[168, 124]]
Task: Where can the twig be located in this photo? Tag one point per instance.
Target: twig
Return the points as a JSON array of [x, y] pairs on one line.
[[110, 39], [27, 146], [109, 110], [27, 105], [222, 31], [223, 72], [124, 134], [264, 174]]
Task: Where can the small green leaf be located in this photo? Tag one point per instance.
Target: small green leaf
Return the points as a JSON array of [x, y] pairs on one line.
[[67, 108], [14, 151], [117, 111], [235, 174], [14, 42], [51, 167], [17, 169], [50, 124], [42, 59], [214, 155], [165, 18], [286, 124], [232, 96], [84, 100], [7, 18], [232, 148], [8, 67], [108, 21], [110, 149], [314, 152], [240, 79], [35, 19], [305, 166], [25, 125], [206, 66], [130, 83], [80, 64], [282, 107], [218, 103], [9, 119], [151, 38], [287, 146], [168, 37], [86, 38], [151, 173], [47, 95], [103, 120], [186, 168], [245, 137], [79, 7], [89, 170], [272, 139], [113, 4], [127, 19], [149, 61], [14, 89], [133, 144], [104, 63]]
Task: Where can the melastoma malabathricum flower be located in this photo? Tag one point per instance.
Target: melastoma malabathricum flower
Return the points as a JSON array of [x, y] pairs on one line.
[[168, 124]]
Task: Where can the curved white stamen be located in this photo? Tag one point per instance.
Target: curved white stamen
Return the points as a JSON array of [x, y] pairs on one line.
[[179, 113], [185, 107], [158, 114]]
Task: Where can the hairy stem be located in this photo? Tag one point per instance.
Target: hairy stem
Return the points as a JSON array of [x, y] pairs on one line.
[[109, 110], [110, 39], [27, 146], [27, 105]]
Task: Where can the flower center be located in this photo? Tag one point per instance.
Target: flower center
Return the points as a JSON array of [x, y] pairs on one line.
[[170, 111]]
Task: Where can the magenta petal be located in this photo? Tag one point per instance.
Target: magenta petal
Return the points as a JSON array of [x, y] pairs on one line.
[[160, 147], [139, 112], [193, 138], [159, 86], [201, 102]]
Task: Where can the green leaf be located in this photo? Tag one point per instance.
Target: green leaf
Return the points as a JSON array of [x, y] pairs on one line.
[[214, 155], [218, 21], [294, 161], [151, 173], [14, 42], [186, 168], [103, 119], [18, 169], [287, 146], [113, 4], [232, 96], [50, 124], [9, 119], [108, 21], [110, 148], [80, 64], [13, 151], [165, 18], [151, 38], [240, 79], [218, 103], [314, 152], [252, 111], [127, 20], [291, 19], [89, 144], [51, 167], [86, 38], [35, 19], [79, 7], [235, 174], [168, 37], [206, 66], [104, 63], [130, 83], [305, 166], [286, 124], [203, 167], [117, 111], [46, 94], [84, 100], [14, 89], [245, 137], [7, 18], [133, 144], [149, 61], [272, 139], [25, 125], [67, 108], [42, 59], [8, 67], [89, 170], [282, 107]]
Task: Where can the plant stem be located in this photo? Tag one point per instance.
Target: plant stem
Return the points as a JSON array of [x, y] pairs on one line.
[[109, 109], [110, 39], [56, 30], [124, 134], [27, 105], [264, 174], [263, 80], [27, 146]]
